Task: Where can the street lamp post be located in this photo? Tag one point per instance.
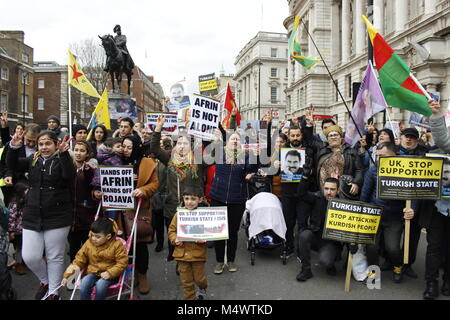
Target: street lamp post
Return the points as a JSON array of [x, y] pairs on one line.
[[24, 76], [259, 63]]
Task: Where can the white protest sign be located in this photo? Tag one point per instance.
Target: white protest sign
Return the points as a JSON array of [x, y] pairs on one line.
[[202, 224], [204, 117], [116, 186], [170, 126]]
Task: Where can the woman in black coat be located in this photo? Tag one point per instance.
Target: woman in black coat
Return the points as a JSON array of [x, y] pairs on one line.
[[47, 215]]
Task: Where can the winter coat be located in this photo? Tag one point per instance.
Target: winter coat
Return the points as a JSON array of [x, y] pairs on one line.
[[85, 206], [352, 163], [392, 209], [111, 257], [190, 251], [49, 199], [440, 132], [105, 158], [15, 218], [175, 186]]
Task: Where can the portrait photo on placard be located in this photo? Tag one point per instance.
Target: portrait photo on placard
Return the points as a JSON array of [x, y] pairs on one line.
[[292, 161]]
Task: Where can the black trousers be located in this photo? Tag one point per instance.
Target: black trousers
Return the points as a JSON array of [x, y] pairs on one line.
[[295, 211], [76, 241], [142, 257], [438, 233], [415, 232], [158, 225], [328, 249], [235, 213]]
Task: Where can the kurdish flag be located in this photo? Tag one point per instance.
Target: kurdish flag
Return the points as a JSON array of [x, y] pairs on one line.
[[397, 82], [77, 78], [296, 52]]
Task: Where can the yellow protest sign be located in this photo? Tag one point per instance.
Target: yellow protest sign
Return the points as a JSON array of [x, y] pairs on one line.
[[409, 178]]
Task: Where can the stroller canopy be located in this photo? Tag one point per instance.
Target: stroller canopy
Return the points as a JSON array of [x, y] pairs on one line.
[[265, 213]]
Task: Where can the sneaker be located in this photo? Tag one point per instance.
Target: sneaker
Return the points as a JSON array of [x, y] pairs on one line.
[[201, 294], [397, 275], [219, 268], [53, 297], [232, 266], [43, 288], [305, 274], [331, 271], [408, 270]]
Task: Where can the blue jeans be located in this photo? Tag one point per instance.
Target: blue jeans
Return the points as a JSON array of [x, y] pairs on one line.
[[88, 283]]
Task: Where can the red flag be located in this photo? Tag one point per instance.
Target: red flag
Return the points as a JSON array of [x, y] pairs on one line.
[[229, 105]]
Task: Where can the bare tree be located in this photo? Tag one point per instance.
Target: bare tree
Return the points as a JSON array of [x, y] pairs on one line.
[[91, 57]]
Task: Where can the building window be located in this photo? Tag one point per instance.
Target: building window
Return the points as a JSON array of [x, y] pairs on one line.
[[24, 57], [273, 94], [287, 73], [40, 103], [4, 101], [5, 73], [41, 84], [287, 53], [273, 52], [26, 78], [273, 72]]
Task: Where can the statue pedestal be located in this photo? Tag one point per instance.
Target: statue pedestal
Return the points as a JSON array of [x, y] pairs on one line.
[[122, 105], [117, 95]]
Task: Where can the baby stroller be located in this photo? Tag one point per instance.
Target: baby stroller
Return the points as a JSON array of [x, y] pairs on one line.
[[7, 292], [263, 219], [125, 284]]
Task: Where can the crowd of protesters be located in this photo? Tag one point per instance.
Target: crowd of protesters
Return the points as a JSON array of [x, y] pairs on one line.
[[51, 185]]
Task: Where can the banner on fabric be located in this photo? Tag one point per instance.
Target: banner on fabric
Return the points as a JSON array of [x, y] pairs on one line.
[[207, 224], [170, 126], [409, 178], [352, 221], [292, 161], [116, 186], [204, 117]]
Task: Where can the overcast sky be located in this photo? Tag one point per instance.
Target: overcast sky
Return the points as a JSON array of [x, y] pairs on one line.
[[167, 39]]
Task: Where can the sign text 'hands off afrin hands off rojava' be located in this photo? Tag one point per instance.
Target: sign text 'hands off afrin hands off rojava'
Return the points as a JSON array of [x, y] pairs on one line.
[[117, 186], [409, 178]]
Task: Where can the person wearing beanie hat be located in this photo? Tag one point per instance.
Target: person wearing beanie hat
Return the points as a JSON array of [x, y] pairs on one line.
[[79, 132], [339, 159], [54, 124]]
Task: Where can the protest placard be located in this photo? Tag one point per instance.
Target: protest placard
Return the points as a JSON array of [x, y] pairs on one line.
[[445, 173], [207, 84], [292, 161], [170, 126], [352, 221], [123, 108], [116, 186], [202, 224], [204, 117], [409, 178]]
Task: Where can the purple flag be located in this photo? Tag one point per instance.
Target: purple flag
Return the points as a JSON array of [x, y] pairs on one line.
[[369, 101]]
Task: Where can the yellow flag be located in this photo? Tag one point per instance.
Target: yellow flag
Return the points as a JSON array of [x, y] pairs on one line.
[[100, 115], [77, 79]]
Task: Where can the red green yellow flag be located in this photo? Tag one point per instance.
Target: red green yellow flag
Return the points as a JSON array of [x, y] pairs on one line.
[[295, 50], [399, 86]]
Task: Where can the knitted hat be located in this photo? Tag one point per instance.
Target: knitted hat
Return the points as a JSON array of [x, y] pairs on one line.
[[55, 118], [333, 128], [76, 128]]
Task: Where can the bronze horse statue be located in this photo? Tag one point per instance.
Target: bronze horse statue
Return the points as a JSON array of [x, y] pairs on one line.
[[117, 61]]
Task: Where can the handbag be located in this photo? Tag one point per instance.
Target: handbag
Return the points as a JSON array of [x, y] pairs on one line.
[[158, 201], [144, 228]]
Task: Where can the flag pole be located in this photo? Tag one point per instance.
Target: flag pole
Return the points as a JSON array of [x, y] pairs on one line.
[[70, 112], [390, 122], [420, 86], [332, 79]]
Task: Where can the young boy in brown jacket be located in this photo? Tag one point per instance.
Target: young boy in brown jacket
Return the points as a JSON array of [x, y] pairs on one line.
[[190, 256], [103, 255]]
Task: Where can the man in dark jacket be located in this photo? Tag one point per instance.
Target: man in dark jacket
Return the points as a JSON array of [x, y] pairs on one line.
[[294, 209], [391, 224], [310, 235], [409, 145], [54, 124]]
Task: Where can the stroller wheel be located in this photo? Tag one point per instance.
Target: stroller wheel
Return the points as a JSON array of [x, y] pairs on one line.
[[252, 258]]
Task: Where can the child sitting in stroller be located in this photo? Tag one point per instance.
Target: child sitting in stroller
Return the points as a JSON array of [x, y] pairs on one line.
[[104, 256]]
